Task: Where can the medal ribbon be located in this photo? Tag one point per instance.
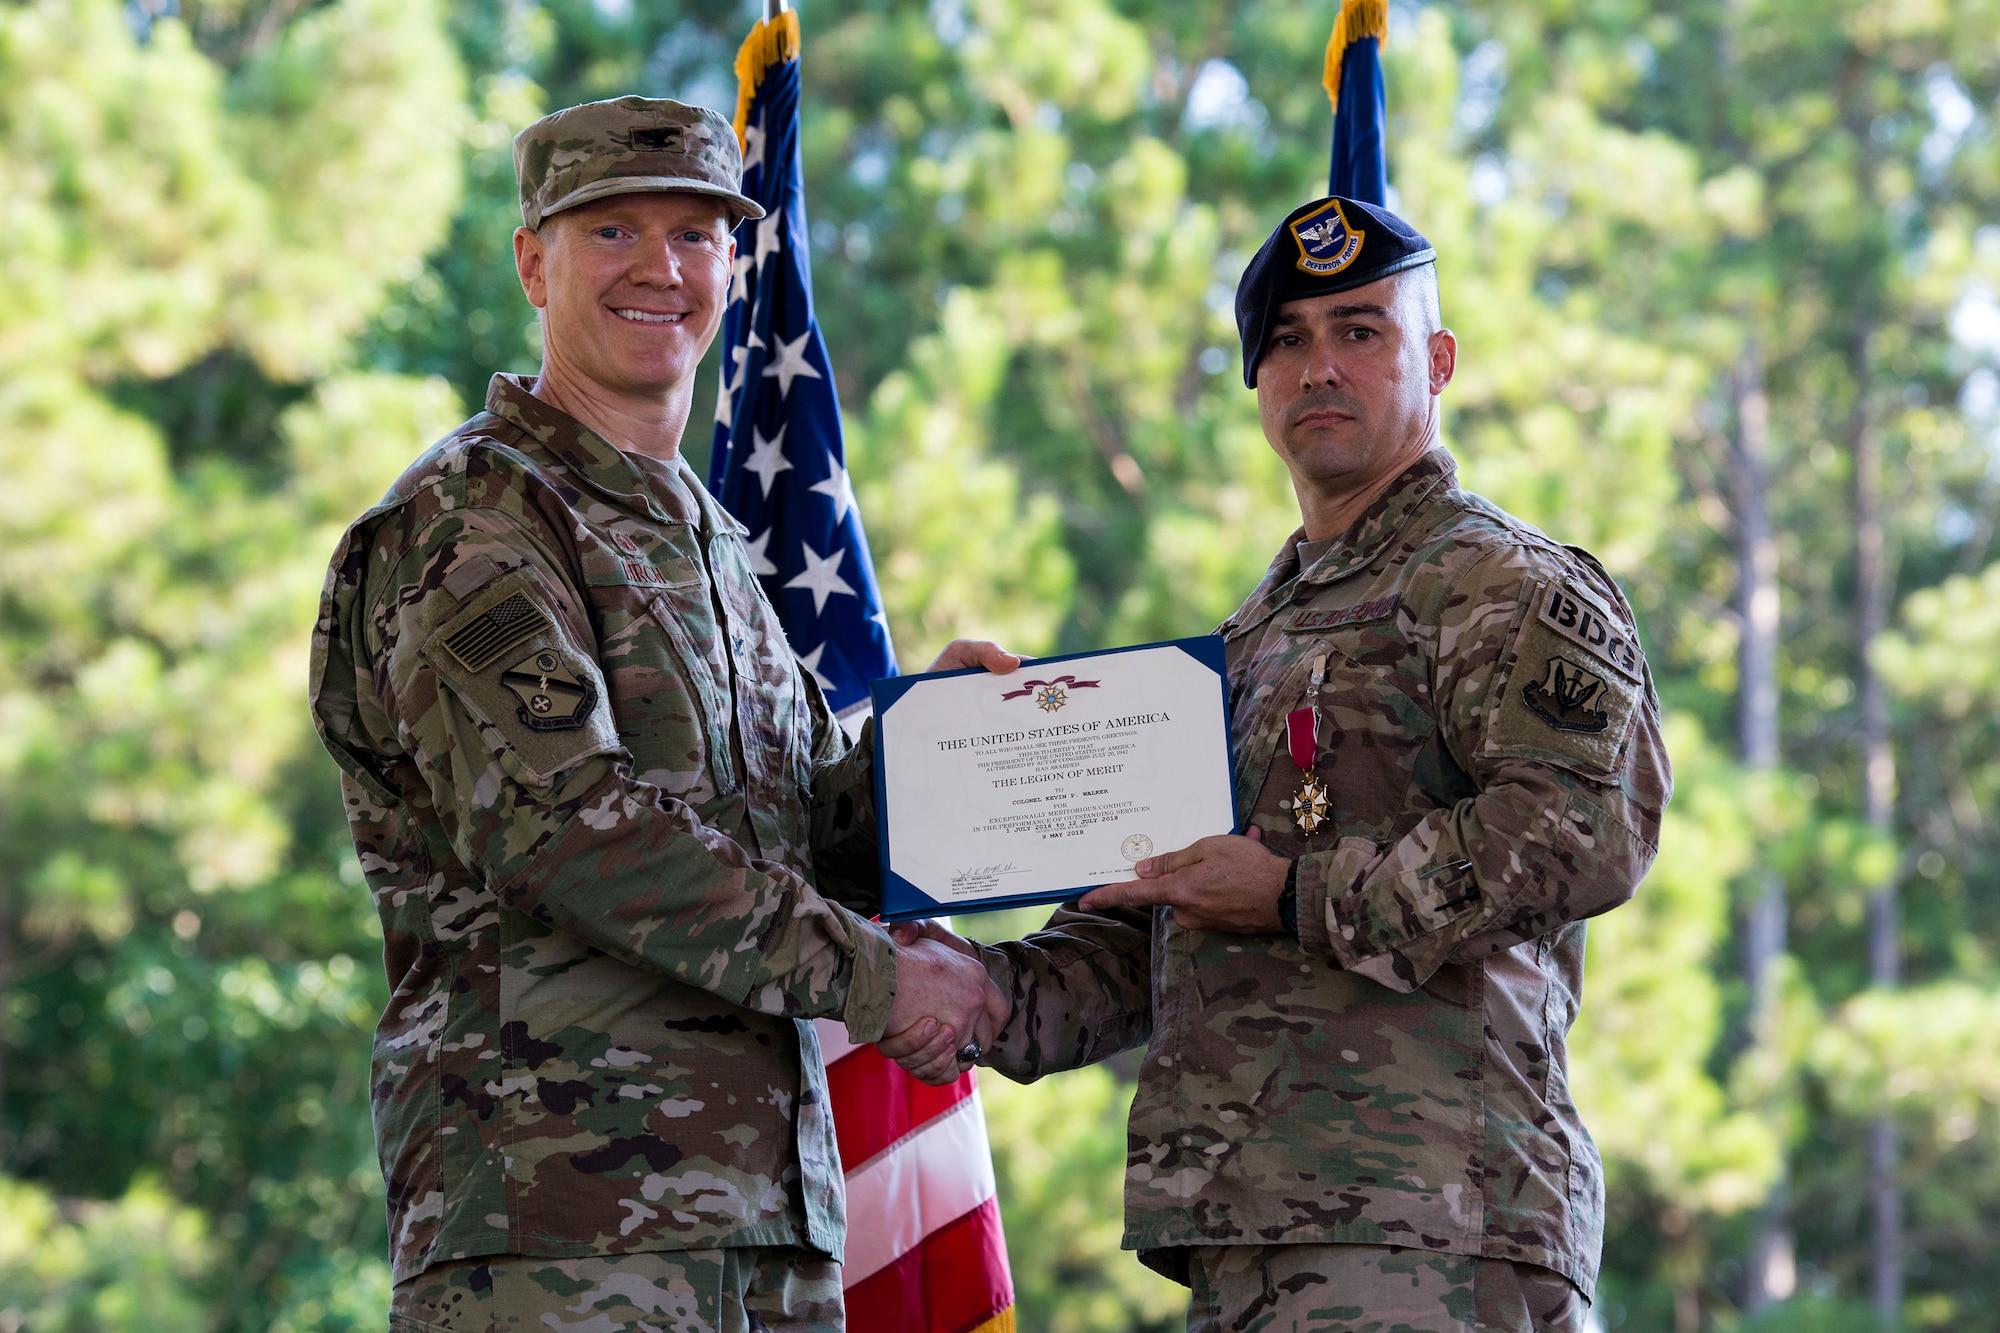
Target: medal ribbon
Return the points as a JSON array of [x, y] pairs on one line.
[[1301, 737], [1302, 724]]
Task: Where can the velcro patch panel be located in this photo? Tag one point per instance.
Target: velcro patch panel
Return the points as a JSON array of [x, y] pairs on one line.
[[503, 626]]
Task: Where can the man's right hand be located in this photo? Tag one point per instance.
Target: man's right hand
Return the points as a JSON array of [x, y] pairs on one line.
[[944, 999]]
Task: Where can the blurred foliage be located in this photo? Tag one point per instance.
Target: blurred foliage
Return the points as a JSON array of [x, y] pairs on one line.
[[257, 254]]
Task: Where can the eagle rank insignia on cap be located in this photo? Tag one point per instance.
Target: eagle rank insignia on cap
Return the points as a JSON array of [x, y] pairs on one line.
[[1326, 243]]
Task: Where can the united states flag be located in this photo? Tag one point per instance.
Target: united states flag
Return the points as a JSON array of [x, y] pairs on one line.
[[925, 1253]]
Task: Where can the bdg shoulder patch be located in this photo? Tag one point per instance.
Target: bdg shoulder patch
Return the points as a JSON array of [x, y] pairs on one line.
[[1573, 678]]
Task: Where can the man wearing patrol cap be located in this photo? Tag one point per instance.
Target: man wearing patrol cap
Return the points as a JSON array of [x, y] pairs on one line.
[[621, 851], [1353, 1110]]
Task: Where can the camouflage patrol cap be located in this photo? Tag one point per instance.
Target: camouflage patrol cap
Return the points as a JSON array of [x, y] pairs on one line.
[[628, 145]]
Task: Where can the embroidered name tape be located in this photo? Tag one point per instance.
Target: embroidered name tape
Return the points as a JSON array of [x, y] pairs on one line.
[[1312, 619], [1590, 627], [480, 643], [644, 575]]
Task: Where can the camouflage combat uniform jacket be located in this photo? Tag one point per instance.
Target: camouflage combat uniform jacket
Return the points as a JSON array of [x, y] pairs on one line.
[[583, 772], [1490, 741]]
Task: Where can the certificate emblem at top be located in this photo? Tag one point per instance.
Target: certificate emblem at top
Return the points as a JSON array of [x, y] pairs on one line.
[[1050, 695]]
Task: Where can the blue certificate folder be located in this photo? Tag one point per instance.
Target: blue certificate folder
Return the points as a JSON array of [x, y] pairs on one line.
[[903, 900]]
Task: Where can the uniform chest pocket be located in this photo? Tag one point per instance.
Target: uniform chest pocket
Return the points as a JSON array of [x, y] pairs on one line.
[[1377, 692], [1376, 723], [685, 619], [656, 627]]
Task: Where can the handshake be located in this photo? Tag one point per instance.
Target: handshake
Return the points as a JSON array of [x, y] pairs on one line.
[[947, 1010]]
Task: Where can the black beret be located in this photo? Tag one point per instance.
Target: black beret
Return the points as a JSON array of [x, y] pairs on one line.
[[1328, 245]]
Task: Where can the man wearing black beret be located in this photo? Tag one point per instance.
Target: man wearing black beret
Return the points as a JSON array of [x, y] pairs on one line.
[[1354, 1110]]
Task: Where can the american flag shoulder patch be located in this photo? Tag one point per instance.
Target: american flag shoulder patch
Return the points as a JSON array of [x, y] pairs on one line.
[[479, 644]]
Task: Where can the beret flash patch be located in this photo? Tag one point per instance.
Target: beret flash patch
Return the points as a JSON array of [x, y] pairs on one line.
[[1326, 243]]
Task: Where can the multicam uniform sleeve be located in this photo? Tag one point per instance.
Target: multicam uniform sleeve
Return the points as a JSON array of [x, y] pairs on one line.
[[1545, 701], [496, 695], [1081, 988], [841, 813]]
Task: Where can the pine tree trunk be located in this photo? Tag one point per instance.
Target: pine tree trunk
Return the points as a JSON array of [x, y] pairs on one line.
[[1770, 1271], [1878, 786], [6, 1026]]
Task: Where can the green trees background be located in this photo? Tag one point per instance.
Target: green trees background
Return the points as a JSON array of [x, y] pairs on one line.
[[1724, 274]]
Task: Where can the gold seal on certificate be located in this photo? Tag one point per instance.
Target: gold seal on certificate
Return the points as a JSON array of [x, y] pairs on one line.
[[993, 791]]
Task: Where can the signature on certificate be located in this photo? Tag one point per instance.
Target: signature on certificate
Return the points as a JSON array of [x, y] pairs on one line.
[[977, 879]]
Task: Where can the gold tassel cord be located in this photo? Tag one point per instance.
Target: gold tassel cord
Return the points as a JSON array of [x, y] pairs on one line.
[[1003, 1322], [1357, 19], [772, 42]]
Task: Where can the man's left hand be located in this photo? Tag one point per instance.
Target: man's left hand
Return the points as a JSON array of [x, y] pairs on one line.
[[1224, 883], [962, 653]]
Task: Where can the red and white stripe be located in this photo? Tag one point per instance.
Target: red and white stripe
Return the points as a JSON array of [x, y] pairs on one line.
[[925, 1253]]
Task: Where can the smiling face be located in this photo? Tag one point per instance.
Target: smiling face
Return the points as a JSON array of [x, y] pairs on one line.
[[1347, 384], [631, 289]]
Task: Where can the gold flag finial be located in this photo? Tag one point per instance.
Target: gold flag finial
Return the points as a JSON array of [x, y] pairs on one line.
[[772, 42], [1357, 19]]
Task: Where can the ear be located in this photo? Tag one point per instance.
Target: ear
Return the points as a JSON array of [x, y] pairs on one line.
[[531, 263], [1443, 359]]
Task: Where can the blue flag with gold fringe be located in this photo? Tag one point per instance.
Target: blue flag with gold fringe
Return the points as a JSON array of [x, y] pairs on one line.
[[1360, 167], [779, 462]]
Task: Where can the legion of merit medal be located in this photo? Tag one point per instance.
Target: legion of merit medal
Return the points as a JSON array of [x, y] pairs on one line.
[[1309, 805]]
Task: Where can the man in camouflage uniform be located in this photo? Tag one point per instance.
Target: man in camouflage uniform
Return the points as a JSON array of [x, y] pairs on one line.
[[621, 851], [1353, 1111]]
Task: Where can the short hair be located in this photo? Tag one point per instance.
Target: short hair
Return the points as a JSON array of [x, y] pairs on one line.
[[1424, 282]]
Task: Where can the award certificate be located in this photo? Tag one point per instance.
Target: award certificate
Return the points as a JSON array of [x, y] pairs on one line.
[[995, 791]]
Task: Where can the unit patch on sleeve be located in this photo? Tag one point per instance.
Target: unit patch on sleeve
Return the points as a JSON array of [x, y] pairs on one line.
[[1567, 697], [1579, 618], [1571, 683], [552, 698]]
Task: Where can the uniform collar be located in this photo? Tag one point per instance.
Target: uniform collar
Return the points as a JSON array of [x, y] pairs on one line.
[[584, 453], [1383, 521], [1379, 525]]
